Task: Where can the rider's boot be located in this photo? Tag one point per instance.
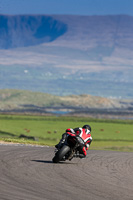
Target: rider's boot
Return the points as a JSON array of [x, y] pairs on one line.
[[62, 141], [79, 155], [60, 144]]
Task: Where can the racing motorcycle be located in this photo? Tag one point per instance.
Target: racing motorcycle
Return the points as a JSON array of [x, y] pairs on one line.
[[69, 149]]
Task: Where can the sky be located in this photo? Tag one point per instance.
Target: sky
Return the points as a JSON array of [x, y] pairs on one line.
[[71, 7]]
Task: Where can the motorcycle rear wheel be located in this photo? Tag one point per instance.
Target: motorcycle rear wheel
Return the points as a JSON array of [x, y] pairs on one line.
[[61, 153]]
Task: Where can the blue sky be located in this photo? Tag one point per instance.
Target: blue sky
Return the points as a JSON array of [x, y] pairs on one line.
[[74, 7]]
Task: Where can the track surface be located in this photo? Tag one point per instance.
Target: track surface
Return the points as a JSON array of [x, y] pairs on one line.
[[27, 173]]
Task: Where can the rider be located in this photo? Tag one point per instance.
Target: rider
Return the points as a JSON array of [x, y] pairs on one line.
[[84, 133]]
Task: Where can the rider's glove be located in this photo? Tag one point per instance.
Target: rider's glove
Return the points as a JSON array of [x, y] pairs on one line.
[[70, 130]]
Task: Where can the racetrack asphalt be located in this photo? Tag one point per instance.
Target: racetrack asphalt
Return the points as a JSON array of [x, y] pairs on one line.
[[27, 173]]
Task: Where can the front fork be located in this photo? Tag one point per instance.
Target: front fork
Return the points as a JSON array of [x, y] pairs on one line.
[[71, 155], [73, 152]]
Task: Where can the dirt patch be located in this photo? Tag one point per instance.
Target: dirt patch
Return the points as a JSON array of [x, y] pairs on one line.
[[3, 142]]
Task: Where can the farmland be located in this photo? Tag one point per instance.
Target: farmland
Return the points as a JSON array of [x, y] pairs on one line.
[[47, 130]]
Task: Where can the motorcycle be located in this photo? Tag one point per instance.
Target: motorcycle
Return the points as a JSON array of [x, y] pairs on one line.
[[69, 149]]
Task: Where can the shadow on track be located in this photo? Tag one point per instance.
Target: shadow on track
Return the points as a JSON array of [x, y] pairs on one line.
[[43, 161], [51, 162]]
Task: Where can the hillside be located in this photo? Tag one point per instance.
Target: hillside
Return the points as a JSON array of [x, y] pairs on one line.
[[105, 33], [64, 55], [17, 101], [26, 30]]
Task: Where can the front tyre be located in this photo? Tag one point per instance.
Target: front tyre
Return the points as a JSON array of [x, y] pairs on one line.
[[61, 153]]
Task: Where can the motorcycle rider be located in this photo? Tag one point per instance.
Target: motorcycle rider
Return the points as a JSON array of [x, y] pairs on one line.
[[84, 133]]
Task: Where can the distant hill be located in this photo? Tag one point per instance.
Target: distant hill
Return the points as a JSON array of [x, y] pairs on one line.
[[100, 33], [64, 54], [26, 30], [20, 100]]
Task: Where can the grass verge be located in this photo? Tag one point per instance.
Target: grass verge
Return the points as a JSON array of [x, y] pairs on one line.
[[107, 134]]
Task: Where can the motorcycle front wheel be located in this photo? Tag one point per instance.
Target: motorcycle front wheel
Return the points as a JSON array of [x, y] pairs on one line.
[[61, 153]]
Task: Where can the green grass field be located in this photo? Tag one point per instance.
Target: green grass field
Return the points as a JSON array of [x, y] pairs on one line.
[[107, 134]]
